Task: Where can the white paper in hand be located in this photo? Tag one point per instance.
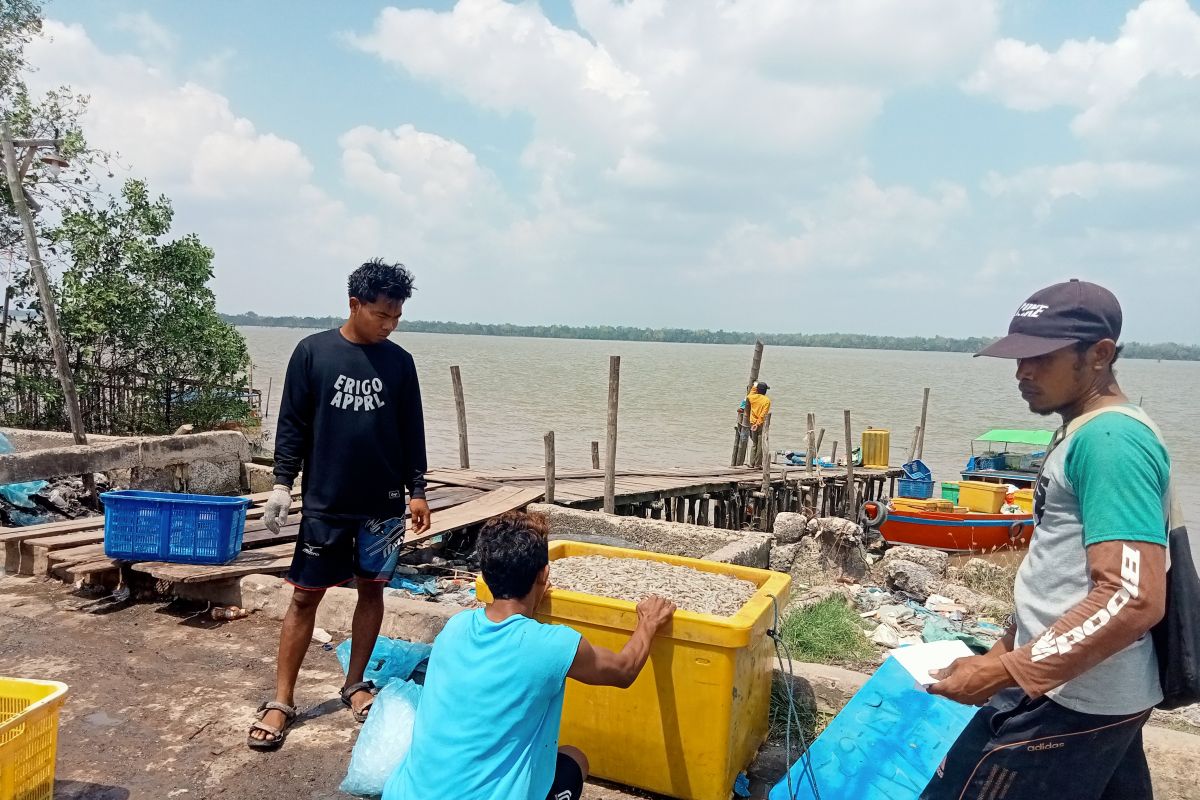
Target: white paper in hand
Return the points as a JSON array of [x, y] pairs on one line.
[[921, 659]]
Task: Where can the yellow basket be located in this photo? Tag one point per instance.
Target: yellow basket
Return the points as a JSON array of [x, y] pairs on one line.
[[28, 737], [698, 713], [1024, 498]]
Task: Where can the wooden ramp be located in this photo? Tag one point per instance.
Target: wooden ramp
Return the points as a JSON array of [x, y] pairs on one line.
[[276, 559]]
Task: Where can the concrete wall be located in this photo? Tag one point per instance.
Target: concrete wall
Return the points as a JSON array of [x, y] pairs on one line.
[[212, 461], [24, 440]]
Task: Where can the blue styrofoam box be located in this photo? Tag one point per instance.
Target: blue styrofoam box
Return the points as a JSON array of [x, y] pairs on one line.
[[884, 745]]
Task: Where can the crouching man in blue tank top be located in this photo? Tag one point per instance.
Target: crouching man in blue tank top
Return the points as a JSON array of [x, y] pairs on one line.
[[488, 722]]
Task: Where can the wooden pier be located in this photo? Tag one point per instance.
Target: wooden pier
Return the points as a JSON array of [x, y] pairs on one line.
[[462, 499]]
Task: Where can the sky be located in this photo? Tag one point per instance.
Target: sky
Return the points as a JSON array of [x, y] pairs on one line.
[[903, 167]]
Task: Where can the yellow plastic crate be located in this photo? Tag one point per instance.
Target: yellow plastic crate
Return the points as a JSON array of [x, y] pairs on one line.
[[28, 737], [982, 497], [1024, 498], [698, 713]]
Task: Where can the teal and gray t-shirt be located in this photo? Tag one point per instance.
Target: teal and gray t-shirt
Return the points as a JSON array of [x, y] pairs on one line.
[[1108, 481]]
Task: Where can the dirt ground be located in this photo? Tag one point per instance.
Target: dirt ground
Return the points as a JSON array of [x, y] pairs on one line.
[[160, 701]]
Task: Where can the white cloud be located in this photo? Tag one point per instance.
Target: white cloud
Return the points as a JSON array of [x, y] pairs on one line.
[[149, 33], [856, 226], [435, 182], [1132, 94], [1083, 179], [248, 194], [656, 90]]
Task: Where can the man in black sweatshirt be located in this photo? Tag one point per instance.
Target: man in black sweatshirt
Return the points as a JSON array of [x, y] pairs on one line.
[[350, 419]]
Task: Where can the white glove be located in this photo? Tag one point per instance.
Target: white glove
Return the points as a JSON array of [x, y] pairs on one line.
[[275, 512]]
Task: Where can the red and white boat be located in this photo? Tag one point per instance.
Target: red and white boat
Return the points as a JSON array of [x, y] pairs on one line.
[[955, 532]]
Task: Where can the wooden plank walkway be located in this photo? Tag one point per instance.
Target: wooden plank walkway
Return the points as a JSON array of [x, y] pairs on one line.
[[459, 499]]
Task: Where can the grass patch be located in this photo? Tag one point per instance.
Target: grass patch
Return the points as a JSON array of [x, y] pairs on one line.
[[995, 580], [828, 632], [806, 726]]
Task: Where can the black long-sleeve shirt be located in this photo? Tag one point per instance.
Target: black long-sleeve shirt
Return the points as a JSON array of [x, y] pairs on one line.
[[351, 417]]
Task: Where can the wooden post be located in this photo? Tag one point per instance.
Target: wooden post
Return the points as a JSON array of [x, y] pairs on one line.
[[912, 451], [549, 440], [921, 438], [739, 444], [610, 459], [267, 405], [764, 509], [737, 437], [46, 297], [595, 455], [460, 405], [8, 296], [820, 438], [810, 451], [851, 503], [833, 453]]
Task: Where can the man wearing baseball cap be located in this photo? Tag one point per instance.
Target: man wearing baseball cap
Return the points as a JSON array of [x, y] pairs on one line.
[[1067, 690]]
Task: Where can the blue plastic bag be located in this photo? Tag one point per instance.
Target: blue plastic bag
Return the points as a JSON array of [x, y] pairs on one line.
[[391, 659], [384, 740]]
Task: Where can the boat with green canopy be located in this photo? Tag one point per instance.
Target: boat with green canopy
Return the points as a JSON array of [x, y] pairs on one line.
[[1008, 456]]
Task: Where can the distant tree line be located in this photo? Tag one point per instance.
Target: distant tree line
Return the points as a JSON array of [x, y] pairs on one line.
[[855, 341]]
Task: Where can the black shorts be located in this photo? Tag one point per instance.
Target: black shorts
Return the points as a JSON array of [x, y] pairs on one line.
[[333, 552], [568, 780], [1017, 748]]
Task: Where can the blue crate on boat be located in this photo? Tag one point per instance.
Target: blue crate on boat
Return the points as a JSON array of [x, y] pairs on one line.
[[992, 461], [180, 528], [917, 470], [916, 490]]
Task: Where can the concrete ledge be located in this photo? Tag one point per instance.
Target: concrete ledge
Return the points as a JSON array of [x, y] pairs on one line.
[[751, 550], [673, 538], [24, 439], [217, 446], [413, 620], [258, 477], [824, 686], [77, 459], [149, 453]]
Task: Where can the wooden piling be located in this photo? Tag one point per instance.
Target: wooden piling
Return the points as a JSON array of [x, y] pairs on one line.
[[833, 453], [460, 406], [740, 443], [549, 440], [924, 412], [851, 509], [810, 450], [610, 460], [820, 438], [912, 451], [595, 455]]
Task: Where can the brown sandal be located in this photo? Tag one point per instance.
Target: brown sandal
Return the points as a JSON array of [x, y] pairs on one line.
[[277, 734], [353, 689]]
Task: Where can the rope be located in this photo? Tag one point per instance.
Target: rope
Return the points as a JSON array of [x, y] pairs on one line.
[[793, 716]]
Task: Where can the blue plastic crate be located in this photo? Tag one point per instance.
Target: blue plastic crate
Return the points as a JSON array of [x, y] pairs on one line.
[[992, 462], [917, 470], [917, 490], [181, 528]]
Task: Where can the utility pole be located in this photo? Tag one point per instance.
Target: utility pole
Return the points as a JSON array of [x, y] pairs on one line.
[[15, 189]]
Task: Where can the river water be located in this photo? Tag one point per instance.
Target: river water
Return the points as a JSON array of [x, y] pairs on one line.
[[678, 402]]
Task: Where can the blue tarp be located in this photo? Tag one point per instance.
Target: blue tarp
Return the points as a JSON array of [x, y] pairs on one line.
[[884, 745], [18, 494]]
